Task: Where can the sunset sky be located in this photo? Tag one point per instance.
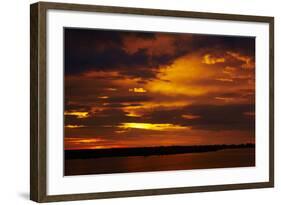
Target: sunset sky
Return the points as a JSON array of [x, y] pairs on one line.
[[138, 89]]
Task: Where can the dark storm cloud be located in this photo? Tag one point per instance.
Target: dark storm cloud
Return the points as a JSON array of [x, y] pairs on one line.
[[129, 99], [210, 117], [228, 117], [105, 118], [243, 45], [143, 35], [103, 50], [121, 105], [76, 107]]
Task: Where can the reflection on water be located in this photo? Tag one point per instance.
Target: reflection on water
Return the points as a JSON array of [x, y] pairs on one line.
[[218, 159]]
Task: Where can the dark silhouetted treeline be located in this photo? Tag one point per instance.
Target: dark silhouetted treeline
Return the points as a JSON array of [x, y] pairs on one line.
[[147, 151]]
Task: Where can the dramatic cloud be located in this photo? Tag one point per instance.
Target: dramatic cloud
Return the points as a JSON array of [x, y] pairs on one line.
[[132, 89]]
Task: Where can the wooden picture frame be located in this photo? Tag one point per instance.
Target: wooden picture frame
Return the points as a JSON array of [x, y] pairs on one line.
[[38, 101]]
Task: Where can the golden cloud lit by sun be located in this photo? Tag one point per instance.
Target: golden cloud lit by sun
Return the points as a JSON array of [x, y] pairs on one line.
[[209, 59], [137, 90], [178, 78], [133, 114], [74, 126], [78, 114], [150, 126]]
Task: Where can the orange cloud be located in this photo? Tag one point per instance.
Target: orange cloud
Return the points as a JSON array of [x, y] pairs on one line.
[[191, 117], [133, 114], [78, 114], [103, 97], [182, 77], [77, 140], [150, 126], [137, 90], [210, 60], [248, 62], [74, 126], [224, 99], [86, 143], [224, 79]]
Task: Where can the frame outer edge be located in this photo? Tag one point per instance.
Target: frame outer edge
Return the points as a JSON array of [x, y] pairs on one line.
[[34, 170], [271, 105], [42, 102], [38, 100], [154, 12], [37, 103]]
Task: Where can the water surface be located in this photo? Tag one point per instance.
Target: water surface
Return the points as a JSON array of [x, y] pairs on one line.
[[242, 157]]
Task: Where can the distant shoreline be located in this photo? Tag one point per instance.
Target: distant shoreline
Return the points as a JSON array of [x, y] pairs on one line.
[[148, 151]]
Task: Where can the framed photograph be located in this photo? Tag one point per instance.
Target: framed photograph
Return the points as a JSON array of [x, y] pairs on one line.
[[134, 102]]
